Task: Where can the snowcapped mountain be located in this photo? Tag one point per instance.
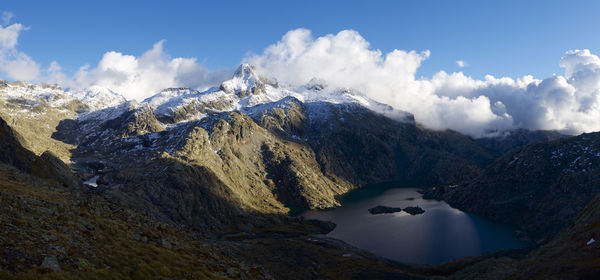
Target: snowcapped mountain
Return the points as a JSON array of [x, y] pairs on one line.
[[30, 95], [51, 118], [247, 89], [90, 99], [244, 81]]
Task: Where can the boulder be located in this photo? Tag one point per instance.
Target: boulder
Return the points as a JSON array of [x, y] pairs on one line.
[[50, 262]]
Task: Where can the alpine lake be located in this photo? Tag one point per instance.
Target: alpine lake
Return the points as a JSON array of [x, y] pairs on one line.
[[438, 235]]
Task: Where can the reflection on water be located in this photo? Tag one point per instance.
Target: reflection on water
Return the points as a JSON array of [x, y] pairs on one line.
[[441, 234]]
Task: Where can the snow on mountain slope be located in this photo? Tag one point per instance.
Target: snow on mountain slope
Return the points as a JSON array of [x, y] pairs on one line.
[[97, 97], [168, 101], [30, 95], [244, 89], [167, 95], [108, 113], [247, 89]]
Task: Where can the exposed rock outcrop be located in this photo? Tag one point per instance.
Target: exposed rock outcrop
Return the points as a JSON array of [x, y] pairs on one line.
[[138, 121]]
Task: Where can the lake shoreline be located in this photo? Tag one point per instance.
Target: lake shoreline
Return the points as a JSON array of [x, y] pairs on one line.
[[393, 236]]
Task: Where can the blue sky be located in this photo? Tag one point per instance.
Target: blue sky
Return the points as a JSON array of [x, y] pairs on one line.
[[503, 38]]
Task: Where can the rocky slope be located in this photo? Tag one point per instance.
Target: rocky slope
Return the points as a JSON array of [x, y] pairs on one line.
[[55, 231], [509, 140], [539, 188], [35, 111], [567, 255], [62, 231], [46, 166]]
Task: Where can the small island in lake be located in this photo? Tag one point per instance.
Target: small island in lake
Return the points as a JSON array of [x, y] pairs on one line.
[[414, 210], [384, 210]]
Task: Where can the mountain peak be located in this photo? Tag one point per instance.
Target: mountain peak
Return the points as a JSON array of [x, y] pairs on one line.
[[245, 71], [245, 81], [316, 84]]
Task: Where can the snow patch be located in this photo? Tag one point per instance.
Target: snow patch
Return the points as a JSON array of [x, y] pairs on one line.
[[92, 182]]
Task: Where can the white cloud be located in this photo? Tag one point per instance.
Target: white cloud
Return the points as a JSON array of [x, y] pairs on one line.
[[569, 103], [143, 76], [461, 63], [9, 36], [343, 60], [13, 63], [18, 66]]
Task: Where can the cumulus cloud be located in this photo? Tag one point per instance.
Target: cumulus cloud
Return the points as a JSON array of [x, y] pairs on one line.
[[143, 76], [461, 63], [13, 63], [568, 103]]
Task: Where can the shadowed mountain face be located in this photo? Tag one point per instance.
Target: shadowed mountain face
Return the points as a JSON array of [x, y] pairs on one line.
[[45, 166], [12, 152], [510, 140], [567, 255], [355, 144], [539, 188]]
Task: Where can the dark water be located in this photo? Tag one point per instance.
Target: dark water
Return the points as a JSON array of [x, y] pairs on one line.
[[439, 235]]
